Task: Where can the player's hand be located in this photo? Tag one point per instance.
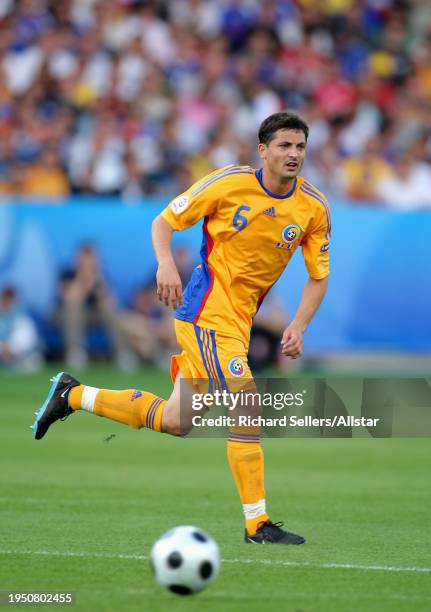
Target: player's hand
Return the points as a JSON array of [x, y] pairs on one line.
[[291, 342], [169, 289]]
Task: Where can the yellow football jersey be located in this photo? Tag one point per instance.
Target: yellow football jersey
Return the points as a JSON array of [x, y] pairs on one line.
[[249, 237]]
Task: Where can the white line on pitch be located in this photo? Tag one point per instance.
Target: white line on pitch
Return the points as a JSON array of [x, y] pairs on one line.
[[353, 566]]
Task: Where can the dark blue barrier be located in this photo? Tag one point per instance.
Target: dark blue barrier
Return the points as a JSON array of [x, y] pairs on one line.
[[379, 296]]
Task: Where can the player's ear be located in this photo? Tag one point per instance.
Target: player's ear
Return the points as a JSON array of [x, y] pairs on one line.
[[261, 149]]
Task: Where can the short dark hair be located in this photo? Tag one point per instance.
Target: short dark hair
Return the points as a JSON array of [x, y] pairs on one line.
[[281, 121]]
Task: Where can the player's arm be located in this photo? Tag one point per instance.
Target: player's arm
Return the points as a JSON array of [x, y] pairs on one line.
[[184, 211], [315, 249], [169, 289], [312, 296]]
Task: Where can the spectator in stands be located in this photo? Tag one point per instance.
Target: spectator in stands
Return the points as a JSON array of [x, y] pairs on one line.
[[86, 300], [268, 325], [45, 179], [148, 327], [20, 347], [183, 260], [130, 96], [409, 186], [362, 174]]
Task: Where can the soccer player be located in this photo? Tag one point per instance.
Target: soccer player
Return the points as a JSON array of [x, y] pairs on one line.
[[254, 220]]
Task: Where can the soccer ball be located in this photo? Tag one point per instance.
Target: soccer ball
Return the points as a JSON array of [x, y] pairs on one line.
[[185, 560]]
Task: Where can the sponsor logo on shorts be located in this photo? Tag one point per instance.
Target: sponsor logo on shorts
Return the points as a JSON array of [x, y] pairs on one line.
[[179, 204], [136, 395], [237, 367]]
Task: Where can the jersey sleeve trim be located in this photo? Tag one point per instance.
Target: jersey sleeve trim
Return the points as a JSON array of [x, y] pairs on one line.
[[230, 170], [311, 191], [320, 276]]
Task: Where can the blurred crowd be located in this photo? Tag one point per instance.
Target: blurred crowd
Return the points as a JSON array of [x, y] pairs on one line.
[[87, 322], [140, 98]]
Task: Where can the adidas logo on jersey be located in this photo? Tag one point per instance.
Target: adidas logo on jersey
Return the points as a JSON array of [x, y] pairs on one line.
[[270, 212]]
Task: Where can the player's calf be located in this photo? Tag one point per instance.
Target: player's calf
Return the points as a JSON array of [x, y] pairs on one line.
[[178, 414], [176, 421], [171, 422]]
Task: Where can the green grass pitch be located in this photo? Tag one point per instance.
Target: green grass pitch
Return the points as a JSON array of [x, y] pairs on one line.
[[80, 514]]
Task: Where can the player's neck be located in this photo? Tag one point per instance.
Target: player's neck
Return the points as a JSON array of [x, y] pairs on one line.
[[276, 185]]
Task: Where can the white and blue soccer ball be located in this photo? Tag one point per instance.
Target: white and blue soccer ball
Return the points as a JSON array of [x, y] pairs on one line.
[[185, 560]]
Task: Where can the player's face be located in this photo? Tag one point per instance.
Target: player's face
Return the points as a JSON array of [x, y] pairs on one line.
[[284, 155]]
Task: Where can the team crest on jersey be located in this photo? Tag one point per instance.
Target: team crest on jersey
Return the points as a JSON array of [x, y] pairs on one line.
[[179, 204], [237, 367], [290, 233]]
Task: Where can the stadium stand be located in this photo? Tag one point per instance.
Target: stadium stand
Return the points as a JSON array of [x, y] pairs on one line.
[[137, 98]]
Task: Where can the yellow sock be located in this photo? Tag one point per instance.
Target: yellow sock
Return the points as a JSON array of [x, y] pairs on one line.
[[131, 407], [75, 397], [245, 457]]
